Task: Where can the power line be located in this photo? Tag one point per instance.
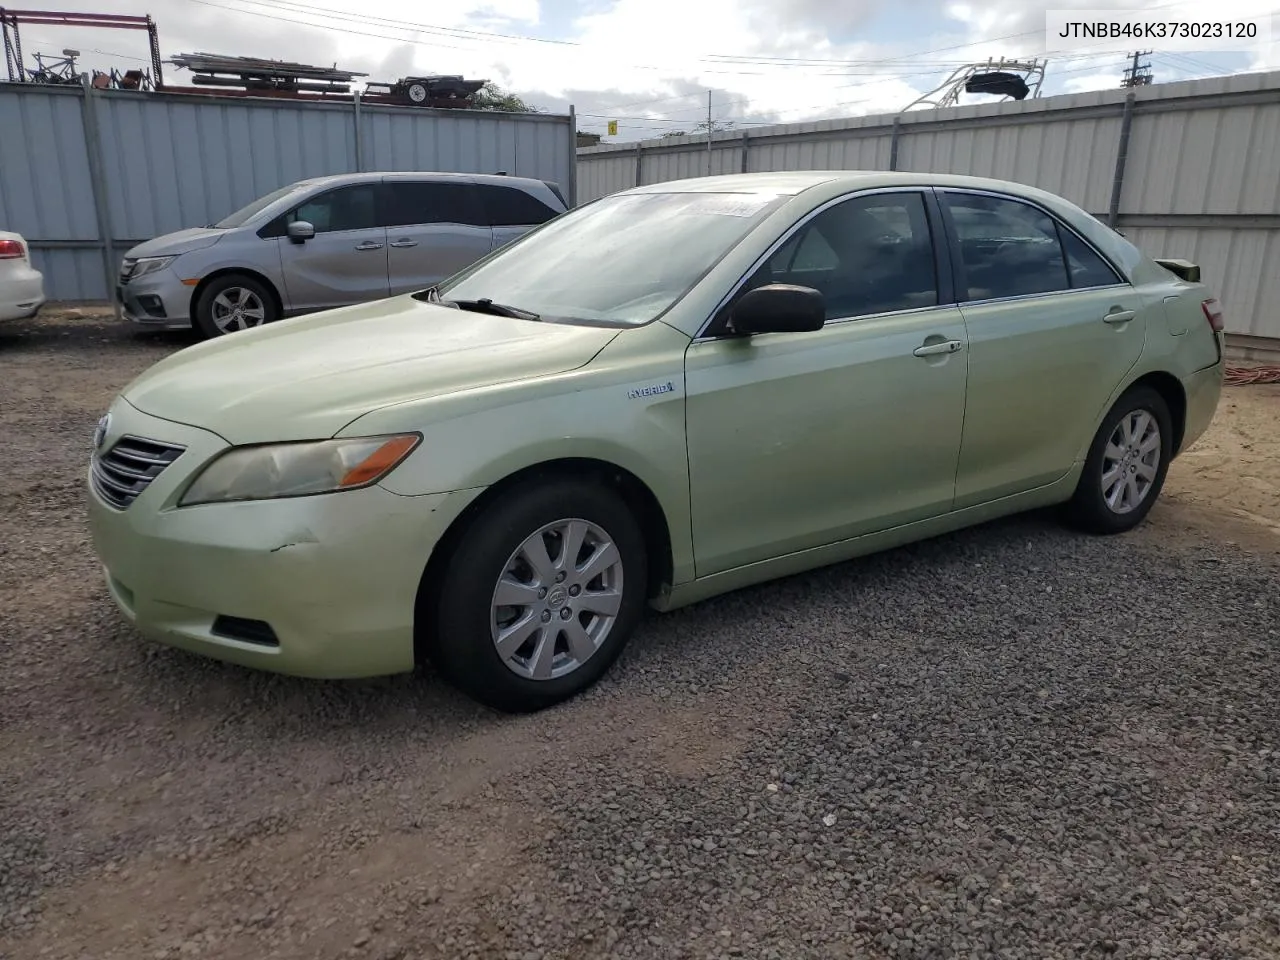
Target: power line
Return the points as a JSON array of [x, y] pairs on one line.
[[460, 32]]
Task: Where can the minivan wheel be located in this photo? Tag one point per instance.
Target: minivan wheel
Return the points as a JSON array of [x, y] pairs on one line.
[[1126, 466], [540, 595], [233, 302]]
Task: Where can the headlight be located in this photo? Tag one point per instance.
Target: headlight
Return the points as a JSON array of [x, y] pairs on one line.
[[298, 469], [146, 265]]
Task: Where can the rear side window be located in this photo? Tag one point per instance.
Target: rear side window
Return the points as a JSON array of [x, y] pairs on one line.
[[1009, 248], [405, 203], [1086, 267], [513, 207]]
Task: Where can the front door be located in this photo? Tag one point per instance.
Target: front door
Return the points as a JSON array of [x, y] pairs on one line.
[[346, 261], [1053, 329], [801, 440], [434, 229]]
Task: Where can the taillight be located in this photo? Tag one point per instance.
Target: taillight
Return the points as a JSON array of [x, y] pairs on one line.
[[1213, 313], [12, 250]]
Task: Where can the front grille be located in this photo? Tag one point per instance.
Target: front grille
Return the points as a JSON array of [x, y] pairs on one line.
[[126, 270], [124, 471]]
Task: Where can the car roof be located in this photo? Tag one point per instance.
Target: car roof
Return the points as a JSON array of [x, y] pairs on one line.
[[794, 182], [374, 176]]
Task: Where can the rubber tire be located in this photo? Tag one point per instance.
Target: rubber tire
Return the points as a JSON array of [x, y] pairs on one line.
[[462, 645], [204, 324], [1088, 509]]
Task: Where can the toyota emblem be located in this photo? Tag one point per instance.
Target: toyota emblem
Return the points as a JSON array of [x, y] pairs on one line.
[[100, 431]]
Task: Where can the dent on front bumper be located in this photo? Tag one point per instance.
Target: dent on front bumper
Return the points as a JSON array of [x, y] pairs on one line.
[[334, 577]]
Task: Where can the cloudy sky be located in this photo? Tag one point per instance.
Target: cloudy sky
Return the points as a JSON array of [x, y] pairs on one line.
[[649, 64]]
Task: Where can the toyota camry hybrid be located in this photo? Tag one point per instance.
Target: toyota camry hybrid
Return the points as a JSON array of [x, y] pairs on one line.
[[665, 394]]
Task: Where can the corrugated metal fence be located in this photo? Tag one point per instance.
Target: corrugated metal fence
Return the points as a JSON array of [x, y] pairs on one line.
[[78, 165], [1186, 169]]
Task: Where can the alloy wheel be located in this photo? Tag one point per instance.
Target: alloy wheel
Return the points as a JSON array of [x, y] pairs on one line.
[[237, 308], [557, 599], [1131, 461]]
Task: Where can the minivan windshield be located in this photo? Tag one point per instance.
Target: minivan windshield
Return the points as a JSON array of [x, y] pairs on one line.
[[244, 214], [621, 260]]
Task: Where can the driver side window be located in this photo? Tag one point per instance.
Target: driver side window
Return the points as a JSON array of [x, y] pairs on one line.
[[347, 208], [867, 255]]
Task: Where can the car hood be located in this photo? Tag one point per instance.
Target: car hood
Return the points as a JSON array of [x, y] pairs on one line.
[[180, 241], [308, 377]]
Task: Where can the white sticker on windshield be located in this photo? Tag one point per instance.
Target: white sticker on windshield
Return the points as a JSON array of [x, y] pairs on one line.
[[731, 204]]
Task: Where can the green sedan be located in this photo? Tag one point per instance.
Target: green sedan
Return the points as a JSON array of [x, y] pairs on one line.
[[665, 394]]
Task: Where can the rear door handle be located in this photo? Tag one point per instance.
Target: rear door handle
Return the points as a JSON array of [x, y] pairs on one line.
[[368, 245], [1119, 316], [404, 243], [933, 349]]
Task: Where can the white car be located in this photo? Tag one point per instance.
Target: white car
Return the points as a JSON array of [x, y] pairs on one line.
[[21, 285]]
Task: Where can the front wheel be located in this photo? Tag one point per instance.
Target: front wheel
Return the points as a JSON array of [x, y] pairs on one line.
[[1126, 466], [233, 302], [540, 595]]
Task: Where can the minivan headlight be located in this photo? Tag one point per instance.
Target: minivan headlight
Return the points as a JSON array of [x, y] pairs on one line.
[[145, 265], [274, 470]]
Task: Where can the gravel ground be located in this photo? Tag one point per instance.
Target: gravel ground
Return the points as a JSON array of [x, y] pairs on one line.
[[1011, 742]]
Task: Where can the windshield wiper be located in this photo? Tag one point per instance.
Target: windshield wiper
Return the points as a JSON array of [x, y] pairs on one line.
[[485, 305]]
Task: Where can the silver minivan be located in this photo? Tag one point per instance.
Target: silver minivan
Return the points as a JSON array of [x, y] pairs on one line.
[[327, 242]]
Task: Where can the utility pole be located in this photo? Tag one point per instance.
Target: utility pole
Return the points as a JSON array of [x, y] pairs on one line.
[[1139, 74], [709, 128]]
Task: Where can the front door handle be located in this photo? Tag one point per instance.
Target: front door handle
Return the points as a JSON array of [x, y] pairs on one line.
[[1119, 316], [933, 349], [369, 245], [404, 243]]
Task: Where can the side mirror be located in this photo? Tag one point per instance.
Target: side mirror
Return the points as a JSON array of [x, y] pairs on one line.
[[778, 308], [300, 231]]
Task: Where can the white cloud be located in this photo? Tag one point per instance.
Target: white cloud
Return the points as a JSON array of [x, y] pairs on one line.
[[629, 59]]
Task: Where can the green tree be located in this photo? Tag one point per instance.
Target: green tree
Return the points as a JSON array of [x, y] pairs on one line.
[[493, 97]]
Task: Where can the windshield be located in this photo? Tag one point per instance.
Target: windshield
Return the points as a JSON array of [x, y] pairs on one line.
[[244, 214], [621, 260]]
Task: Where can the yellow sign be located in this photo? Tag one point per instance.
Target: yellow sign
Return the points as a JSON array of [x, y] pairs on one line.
[[613, 128]]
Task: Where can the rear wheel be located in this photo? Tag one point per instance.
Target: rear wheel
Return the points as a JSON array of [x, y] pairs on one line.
[[1126, 466], [540, 595], [233, 302]]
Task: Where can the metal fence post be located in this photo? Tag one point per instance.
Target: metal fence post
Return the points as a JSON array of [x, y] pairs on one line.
[[639, 164], [893, 145], [572, 185], [98, 187], [359, 137], [745, 137], [1122, 155]]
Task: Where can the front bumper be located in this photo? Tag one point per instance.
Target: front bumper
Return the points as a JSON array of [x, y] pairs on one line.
[[334, 577], [157, 300]]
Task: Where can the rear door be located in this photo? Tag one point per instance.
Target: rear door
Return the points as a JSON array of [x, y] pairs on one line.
[[434, 229], [512, 212], [1052, 329], [346, 261]]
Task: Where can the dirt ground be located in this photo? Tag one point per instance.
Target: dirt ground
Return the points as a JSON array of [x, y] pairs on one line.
[[1234, 469], [1014, 741]]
